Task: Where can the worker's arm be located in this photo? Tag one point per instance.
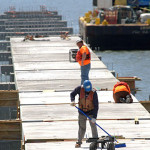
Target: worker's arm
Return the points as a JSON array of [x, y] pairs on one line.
[[74, 93], [83, 58], [96, 105]]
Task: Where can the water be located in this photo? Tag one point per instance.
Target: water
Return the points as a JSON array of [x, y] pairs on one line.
[[131, 63]]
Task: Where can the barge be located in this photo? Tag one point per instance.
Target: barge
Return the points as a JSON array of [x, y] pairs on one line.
[[115, 28]]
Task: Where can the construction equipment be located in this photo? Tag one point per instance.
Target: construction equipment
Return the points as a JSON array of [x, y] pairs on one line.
[[105, 141], [72, 55], [109, 140]]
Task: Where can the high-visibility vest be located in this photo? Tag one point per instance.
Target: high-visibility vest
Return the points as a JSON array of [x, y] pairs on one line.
[[79, 56], [86, 104]]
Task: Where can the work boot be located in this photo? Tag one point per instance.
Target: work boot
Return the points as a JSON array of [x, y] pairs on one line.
[[77, 145], [128, 99], [122, 100]]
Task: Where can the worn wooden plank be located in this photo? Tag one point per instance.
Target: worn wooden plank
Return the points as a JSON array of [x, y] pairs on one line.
[[41, 50], [70, 145], [10, 130], [9, 95], [55, 66], [47, 57], [66, 112], [50, 97], [58, 130], [146, 105], [63, 85], [9, 98], [61, 74]]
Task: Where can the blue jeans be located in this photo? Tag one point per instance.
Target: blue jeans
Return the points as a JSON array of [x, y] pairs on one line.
[[85, 73]]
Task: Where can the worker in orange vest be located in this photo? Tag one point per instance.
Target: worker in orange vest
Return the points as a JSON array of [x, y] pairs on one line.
[[83, 57], [122, 93]]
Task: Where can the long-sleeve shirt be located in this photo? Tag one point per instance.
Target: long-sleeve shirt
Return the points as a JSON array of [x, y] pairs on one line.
[[95, 101]]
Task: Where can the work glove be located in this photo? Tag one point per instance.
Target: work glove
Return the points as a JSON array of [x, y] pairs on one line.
[[73, 103], [93, 120]]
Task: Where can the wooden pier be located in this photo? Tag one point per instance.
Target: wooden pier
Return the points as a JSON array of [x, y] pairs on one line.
[[45, 77]]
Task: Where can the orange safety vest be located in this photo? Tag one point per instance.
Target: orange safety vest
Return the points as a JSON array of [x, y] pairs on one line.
[[79, 56], [86, 104], [123, 84]]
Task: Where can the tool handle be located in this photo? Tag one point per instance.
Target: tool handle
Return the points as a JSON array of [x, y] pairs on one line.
[[95, 123]]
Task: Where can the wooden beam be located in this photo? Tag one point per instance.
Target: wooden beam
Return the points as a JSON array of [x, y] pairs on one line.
[[10, 130], [9, 98], [9, 95], [146, 105]]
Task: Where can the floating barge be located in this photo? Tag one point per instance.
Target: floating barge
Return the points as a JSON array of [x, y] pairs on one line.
[[116, 37], [116, 27]]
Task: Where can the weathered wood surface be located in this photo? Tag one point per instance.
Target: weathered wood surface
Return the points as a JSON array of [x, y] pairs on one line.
[[131, 145], [65, 65], [66, 112], [9, 98], [68, 129], [45, 77], [61, 74], [51, 97], [10, 130], [47, 57], [62, 84]]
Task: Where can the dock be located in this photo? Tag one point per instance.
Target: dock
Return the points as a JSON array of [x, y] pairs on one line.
[[45, 77]]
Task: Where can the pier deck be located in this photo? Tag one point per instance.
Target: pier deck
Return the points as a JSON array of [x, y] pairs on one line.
[[45, 77]]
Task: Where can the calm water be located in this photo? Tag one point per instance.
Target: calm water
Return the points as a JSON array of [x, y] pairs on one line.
[[134, 63]]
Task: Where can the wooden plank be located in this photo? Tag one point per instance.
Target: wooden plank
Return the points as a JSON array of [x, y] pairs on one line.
[[9, 98], [62, 85], [66, 112], [9, 95], [8, 103], [146, 105], [70, 145], [22, 57], [58, 130], [22, 66], [10, 130], [41, 50], [50, 97], [61, 74]]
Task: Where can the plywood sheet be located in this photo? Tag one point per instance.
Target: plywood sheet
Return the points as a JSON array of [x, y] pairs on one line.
[[55, 65], [69, 129], [61, 74], [62, 85], [67, 112], [49, 57], [50, 97], [131, 145]]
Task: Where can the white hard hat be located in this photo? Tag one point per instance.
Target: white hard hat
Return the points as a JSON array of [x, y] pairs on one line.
[[79, 40]]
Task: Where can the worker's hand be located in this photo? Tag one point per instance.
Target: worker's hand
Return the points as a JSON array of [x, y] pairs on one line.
[[93, 120], [73, 103]]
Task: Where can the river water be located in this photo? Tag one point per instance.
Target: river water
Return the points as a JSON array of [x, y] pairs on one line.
[[129, 64], [126, 63]]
